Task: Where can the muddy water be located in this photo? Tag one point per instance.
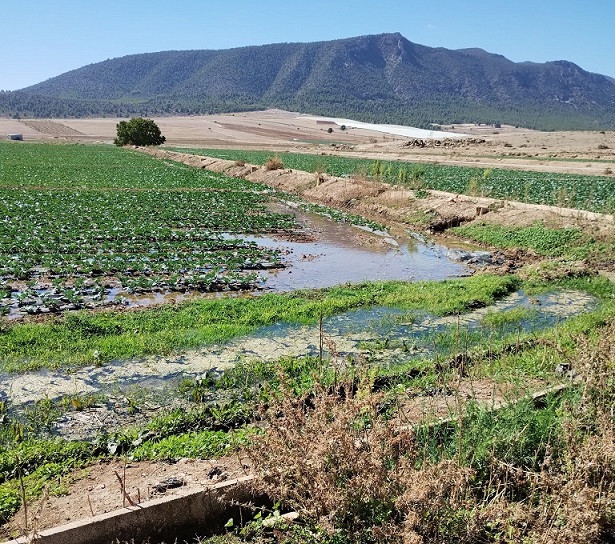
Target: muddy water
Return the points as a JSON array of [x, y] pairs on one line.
[[328, 253], [342, 253]]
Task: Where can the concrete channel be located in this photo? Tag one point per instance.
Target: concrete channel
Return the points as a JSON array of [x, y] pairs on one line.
[[189, 512]]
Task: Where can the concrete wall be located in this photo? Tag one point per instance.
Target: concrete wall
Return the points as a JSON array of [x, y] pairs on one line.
[[189, 512]]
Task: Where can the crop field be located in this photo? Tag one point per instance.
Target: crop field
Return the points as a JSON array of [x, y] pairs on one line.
[[72, 235], [592, 193], [473, 409]]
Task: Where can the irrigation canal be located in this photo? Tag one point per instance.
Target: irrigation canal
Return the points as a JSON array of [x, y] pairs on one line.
[[154, 380]]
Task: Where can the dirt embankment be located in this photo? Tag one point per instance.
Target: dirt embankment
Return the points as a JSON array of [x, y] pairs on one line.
[[392, 204]]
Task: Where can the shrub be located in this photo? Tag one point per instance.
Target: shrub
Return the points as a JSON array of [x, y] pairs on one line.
[[274, 163]]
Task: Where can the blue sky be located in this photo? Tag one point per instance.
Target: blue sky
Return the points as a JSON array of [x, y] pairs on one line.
[[44, 38]]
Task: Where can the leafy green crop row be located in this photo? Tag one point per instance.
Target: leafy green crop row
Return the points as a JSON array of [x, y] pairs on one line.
[[593, 193], [99, 166], [107, 232]]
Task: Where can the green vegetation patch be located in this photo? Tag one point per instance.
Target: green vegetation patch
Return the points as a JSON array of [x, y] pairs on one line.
[[94, 338], [195, 445], [38, 464], [569, 242], [543, 240], [83, 167], [519, 434], [27, 456], [516, 315]]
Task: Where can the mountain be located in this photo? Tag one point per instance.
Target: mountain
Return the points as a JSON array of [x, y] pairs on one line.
[[381, 78]]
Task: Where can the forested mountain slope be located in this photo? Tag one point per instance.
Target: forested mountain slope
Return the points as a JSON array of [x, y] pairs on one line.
[[382, 78]]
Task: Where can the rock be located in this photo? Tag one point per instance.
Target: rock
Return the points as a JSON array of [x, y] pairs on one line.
[[471, 257], [218, 473], [273, 520], [483, 258], [168, 483]]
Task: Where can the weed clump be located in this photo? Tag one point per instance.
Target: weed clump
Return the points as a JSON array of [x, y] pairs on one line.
[[331, 459]]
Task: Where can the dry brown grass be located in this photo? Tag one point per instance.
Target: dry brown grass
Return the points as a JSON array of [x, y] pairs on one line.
[[327, 459], [344, 468], [273, 163]]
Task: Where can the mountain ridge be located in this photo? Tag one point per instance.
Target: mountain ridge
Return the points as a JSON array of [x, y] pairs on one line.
[[378, 78]]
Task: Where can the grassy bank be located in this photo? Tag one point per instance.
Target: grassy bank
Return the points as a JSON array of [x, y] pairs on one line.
[[570, 243]]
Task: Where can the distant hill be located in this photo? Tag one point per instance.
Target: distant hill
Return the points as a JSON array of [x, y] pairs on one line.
[[383, 78]]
